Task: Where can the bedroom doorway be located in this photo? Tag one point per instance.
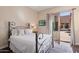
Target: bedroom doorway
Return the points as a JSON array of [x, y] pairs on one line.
[[65, 27], [62, 27]]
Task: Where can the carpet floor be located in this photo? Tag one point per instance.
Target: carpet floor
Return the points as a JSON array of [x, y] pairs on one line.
[[61, 48]]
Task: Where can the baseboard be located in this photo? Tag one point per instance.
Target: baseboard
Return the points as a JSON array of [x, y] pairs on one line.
[[3, 46]]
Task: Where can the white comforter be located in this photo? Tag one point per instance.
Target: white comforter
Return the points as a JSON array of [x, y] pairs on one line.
[[24, 43]]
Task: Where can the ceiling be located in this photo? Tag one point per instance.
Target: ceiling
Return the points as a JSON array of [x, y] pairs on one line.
[[40, 8]]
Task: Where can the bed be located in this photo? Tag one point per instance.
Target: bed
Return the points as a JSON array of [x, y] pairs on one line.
[[23, 40], [23, 44]]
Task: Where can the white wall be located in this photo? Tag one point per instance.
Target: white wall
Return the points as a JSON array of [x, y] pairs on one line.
[[22, 15]]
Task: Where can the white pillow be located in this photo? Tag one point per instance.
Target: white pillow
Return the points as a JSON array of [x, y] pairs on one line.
[[28, 31], [15, 32], [21, 32]]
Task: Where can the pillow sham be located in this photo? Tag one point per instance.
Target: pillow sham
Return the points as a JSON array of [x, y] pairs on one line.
[[15, 32], [21, 32]]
